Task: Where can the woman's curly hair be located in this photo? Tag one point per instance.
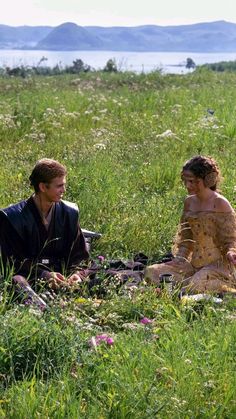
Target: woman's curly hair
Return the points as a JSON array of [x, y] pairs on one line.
[[204, 168]]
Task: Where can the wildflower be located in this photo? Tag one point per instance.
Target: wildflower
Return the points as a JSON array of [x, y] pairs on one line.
[[80, 300], [100, 338], [130, 326], [96, 302], [145, 320], [97, 340], [100, 146], [209, 384], [93, 343], [167, 134], [155, 337], [62, 303], [157, 290], [101, 258], [95, 118], [110, 341], [36, 311], [28, 301], [231, 317]]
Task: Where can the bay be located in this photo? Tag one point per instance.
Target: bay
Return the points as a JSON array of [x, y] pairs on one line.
[[168, 62]]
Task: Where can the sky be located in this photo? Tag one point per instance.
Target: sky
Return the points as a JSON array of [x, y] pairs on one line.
[[115, 12]]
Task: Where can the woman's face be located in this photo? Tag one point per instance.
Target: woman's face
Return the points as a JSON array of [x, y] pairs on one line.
[[192, 183]]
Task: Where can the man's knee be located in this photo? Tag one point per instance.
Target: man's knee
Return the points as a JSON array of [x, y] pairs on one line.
[[19, 280]]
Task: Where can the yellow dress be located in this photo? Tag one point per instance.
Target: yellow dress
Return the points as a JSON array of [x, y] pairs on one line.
[[202, 242]]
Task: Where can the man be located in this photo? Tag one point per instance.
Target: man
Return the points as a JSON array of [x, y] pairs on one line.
[[40, 237]]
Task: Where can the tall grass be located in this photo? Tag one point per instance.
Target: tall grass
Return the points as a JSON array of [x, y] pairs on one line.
[[124, 138], [181, 365]]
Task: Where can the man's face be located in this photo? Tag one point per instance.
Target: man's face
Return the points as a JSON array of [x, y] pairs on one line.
[[53, 191]]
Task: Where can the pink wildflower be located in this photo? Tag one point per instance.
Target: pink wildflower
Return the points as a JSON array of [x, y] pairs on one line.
[[110, 341], [145, 320], [97, 340], [100, 338], [101, 258]]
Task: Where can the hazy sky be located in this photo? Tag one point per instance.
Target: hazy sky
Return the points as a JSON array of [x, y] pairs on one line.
[[115, 12]]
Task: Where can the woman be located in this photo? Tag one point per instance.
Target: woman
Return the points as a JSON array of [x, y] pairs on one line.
[[205, 247]]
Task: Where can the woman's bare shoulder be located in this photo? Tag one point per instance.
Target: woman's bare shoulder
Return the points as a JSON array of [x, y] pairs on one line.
[[188, 202], [221, 204]]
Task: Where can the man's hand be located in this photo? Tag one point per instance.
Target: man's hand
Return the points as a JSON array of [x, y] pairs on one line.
[[74, 280], [56, 280], [231, 255]]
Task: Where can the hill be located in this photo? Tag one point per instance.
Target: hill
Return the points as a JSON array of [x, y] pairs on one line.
[[219, 36], [70, 36], [22, 36]]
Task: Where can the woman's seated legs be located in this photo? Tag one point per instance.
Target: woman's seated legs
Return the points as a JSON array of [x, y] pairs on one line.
[[209, 280]]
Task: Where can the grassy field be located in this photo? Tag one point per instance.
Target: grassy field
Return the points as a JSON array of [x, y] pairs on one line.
[[124, 139]]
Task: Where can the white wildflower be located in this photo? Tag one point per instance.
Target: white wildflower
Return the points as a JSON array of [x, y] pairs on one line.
[[100, 146], [167, 134]]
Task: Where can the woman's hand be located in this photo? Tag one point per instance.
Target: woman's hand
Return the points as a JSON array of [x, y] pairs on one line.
[[177, 261]]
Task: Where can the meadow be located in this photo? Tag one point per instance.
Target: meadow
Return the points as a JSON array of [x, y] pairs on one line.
[[123, 138]]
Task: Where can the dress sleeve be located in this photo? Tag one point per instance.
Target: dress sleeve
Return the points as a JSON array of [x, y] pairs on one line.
[[183, 244], [226, 231]]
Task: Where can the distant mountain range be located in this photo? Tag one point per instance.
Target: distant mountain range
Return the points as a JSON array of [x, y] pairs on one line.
[[219, 36]]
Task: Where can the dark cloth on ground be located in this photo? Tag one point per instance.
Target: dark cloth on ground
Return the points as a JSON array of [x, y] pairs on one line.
[[124, 272]]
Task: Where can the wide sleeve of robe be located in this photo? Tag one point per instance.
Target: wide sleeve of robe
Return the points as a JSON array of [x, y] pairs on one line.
[[226, 231], [183, 243]]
